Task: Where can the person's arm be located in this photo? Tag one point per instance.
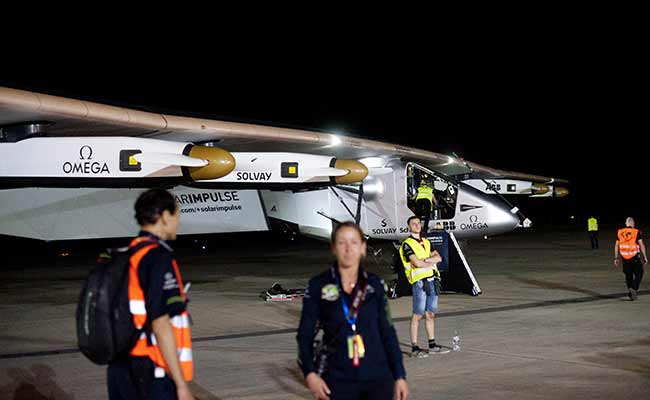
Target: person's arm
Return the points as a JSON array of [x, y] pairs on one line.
[[305, 338], [417, 263], [391, 345], [163, 301], [642, 247], [434, 257], [401, 389], [307, 327], [162, 328], [389, 336]]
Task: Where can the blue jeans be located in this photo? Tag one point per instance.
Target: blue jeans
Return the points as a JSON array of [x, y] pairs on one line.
[[423, 302]]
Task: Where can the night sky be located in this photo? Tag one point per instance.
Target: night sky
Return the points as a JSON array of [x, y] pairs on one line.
[[571, 111]]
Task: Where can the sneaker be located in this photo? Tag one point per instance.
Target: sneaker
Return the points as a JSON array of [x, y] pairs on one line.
[[438, 350], [435, 349], [633, 295], [419, 353]]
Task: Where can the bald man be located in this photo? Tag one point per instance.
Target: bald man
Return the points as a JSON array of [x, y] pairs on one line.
[[629, 245]]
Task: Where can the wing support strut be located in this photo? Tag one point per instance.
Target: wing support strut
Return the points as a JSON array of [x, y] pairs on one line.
[[359, 193]]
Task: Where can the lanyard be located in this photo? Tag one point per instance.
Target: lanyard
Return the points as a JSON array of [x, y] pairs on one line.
[[351, 317]]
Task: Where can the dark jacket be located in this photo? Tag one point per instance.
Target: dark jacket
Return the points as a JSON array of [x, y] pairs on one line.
[[383, 357]]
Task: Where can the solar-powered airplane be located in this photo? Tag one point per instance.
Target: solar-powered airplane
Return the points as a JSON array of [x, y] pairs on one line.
[[72, 169]]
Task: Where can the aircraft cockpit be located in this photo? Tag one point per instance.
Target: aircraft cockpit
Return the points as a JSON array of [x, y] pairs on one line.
[[445, 191]]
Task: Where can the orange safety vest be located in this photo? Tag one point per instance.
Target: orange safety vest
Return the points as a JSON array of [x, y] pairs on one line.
[[627, 244], [180, 323]]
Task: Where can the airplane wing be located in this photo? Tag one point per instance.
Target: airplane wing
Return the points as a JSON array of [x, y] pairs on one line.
[[483, 172], [63, 117]]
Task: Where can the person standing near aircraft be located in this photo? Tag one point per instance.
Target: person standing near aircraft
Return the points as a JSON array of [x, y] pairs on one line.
[[160, 364], [592, 228], [420, 266], [364, 360], [628, 245], [424, 203]]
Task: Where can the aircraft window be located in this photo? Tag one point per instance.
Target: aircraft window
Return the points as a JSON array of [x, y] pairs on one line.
[[444, 192]]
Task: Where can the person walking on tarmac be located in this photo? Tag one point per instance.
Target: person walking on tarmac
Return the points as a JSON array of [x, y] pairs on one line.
[[424, 203], [160, 364], [363, 360], [420, 266], [629, 243], [592, 228]]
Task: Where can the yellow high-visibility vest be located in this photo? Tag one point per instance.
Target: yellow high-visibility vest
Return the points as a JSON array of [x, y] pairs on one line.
[[425, 192], [415, 274], [592, 224]]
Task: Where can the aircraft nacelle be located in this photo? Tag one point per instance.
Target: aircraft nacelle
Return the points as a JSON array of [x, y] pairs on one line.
[[517, 187]]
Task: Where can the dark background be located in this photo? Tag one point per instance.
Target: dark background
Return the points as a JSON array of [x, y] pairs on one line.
[[567, 103]]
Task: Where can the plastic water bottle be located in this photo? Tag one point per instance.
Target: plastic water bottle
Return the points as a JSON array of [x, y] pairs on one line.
[[455, 341]]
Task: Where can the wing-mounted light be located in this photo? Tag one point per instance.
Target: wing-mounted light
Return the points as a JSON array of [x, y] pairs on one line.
[[219, 162], [357, 171]]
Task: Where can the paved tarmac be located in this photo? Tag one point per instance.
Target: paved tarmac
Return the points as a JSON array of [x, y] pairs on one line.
[[554, 321]]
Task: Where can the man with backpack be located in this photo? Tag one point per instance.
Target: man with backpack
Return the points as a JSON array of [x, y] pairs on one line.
[[160, 364]]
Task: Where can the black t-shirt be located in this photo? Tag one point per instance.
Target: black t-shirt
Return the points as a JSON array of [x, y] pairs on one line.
[[158, 281]]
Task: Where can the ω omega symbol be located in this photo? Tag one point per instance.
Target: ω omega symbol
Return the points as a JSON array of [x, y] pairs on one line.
[[86, 150]]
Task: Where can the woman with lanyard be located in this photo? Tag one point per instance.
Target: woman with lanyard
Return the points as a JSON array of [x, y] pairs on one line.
[[364, 360]]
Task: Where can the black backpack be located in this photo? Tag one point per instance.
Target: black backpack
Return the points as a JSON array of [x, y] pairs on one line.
[[105, 328]]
